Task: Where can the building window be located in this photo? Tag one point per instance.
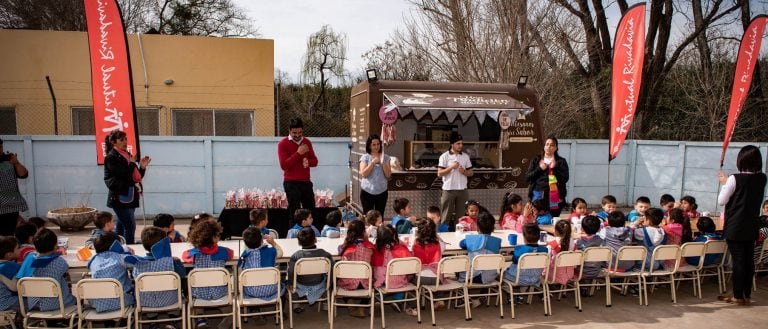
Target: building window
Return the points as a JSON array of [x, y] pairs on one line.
[[149, 121], [212, 123], [82, 121], [83, 124], [8, 121]]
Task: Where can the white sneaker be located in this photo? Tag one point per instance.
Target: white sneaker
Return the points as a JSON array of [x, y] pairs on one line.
[[475, 303]]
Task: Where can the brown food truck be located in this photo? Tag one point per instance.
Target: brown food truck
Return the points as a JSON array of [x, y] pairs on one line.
[[500, 123]]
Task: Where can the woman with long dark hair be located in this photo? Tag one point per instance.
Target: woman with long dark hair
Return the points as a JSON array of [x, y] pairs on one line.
[[122, 175], [547, 176], [375, 170], [742, 195]]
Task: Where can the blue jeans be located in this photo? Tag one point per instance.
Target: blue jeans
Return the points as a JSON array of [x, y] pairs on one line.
[[126, 223]]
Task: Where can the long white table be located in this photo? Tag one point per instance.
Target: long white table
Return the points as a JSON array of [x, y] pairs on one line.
[[290, 246]]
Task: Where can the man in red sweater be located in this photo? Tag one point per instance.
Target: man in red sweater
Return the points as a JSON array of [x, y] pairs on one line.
[[296, 157]]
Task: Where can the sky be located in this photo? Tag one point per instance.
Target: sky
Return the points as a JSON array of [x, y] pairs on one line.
[[290, 22]]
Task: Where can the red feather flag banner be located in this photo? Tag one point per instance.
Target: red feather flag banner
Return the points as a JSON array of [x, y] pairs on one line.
[[111, 83], [749, 50], [628, 52]]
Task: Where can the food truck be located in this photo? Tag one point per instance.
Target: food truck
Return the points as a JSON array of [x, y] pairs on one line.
[[500, 124]]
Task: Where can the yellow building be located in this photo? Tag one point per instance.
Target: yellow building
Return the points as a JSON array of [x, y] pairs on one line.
[[183, 85]]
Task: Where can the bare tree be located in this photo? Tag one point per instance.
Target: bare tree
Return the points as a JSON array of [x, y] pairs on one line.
[[183, 17], [326, 53]]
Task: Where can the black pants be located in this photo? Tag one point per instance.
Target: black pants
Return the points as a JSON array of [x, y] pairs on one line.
[[374, 201], [8, 223], [300, 196], [743, 265]]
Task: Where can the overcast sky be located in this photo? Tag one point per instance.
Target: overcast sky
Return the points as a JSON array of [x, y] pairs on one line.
[[290, 22]]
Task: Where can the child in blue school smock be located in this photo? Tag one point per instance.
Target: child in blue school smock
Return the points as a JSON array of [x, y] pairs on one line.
[[301, 218], [48, 263], [260, 255], [9, 248], [482, 244], [529, 277], [110, 263], [259, 220], [331, 227], [158, 259], [543, 217]]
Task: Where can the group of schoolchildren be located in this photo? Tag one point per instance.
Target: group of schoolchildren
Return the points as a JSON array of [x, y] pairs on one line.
[[34, 252]]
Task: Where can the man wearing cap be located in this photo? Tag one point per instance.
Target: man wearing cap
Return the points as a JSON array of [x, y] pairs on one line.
[[454, 167], [11, 201]]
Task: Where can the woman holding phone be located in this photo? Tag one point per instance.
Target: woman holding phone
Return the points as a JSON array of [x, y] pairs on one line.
[[123, 175]]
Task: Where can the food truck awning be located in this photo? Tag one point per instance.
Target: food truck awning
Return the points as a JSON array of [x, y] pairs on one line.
[[454, 104]]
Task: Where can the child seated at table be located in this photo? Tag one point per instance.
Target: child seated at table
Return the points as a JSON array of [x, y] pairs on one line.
[[543, 217], [762, 235], [561, 242], [433, 213], [666, 203], [590, 225], [259, 219], [312, 286], [201, 217], [617, 235], [529, 277], [642, 204], [110, 263], [25, 233], [104, 223], [402, 222], [481, 244], [469, 220], [650, 235], [373, 220], [388, 247], [260, 255], [356, 247], [9, 247], [608, 205], [429, 249], [158, 259], [332, 223], [706, 227], [301, 218], [47, 263], [678, 229], [689, 207], [578, 211], [166, 222]]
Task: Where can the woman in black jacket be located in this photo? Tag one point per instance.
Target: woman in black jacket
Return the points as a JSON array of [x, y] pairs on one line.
[[742, 195], [123, 178], [544, 165]]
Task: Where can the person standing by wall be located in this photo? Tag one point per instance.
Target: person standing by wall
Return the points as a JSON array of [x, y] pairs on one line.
[[296, 156], [123, 176], [375, 170], [454, 166], [547, 176], [742, 195], [11, 201]]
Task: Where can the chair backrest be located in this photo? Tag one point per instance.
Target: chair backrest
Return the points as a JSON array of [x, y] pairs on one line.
[[404, 266], [490, 262], [451, 265], [309, 266], [274, 234], [257, 277], [39, 287], [693, 249], [533, 261], [158, 281], [353, 270], [571, 258], [763, 253], [210, 277], [716, 247], [631, 253], [598, 254], [666, 252], [87, 289]]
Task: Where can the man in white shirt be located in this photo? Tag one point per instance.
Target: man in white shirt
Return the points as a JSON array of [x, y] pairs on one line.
[[454, 167]]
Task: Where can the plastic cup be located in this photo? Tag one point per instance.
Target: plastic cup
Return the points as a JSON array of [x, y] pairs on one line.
[[63, 242], [512, 238], [543, 237]]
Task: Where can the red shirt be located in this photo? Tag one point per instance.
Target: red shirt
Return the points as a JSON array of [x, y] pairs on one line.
[[292, 162]]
